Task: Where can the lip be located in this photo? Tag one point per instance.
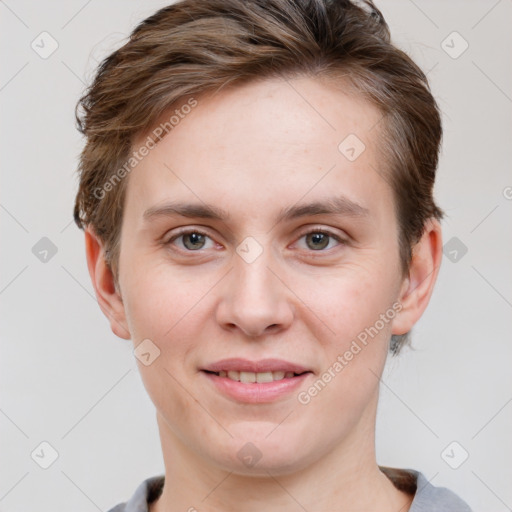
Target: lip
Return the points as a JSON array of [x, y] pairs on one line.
[[258, 392], [263, 365]]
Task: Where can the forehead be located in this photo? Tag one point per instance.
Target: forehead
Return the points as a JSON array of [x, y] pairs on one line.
[[251, 142]]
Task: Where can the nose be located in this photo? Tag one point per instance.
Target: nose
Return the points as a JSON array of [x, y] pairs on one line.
[[254, 300]]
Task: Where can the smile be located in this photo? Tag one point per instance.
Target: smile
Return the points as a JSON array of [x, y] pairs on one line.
[[253, 377], [263, 381]]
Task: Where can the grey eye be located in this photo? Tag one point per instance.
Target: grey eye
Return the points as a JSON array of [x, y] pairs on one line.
[[193, 241], [317, 241]]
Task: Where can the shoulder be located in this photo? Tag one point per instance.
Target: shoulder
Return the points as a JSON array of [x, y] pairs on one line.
[[148, 491], [427, 497], [436, 499], [118, 508]]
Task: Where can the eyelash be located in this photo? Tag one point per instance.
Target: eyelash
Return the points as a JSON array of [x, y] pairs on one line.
[[318, 253], [187, 231]]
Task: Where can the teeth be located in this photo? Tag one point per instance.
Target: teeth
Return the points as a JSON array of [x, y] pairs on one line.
[[247, 377], [264, 377], [251, 377], [233, 375]]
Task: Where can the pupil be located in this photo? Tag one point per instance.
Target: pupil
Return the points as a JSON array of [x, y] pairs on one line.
[[319, 240]]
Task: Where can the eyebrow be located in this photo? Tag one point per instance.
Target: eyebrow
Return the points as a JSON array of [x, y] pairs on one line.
[[339, 205], [192, 210]]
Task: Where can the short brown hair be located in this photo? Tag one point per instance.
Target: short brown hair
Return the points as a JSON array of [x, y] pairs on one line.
[[197, 46]]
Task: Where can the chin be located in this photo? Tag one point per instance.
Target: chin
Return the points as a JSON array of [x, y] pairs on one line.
[[261, 456]]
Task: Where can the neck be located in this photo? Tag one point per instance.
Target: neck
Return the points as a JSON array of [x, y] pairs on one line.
[[338, 481]]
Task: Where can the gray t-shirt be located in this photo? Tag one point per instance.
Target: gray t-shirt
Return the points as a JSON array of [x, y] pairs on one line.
[[427, 497]]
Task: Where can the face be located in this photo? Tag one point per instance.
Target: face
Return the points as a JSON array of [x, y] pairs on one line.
[[253, 248]]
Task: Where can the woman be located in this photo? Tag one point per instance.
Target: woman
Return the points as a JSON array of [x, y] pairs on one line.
[[256, 193]]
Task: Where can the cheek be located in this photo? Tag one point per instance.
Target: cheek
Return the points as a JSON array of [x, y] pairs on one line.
[[346, 302], [161, 299], [353, 359], [351, 304], [356, 307], [170, 307], [163, 305]]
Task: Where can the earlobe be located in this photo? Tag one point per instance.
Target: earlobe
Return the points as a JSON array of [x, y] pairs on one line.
[[108, 297], [417, 288]]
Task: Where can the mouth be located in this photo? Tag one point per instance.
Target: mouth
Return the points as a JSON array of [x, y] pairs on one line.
[[255, 381], [256, 377]]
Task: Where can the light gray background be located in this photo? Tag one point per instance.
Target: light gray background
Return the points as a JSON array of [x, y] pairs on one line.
[[66, 379]]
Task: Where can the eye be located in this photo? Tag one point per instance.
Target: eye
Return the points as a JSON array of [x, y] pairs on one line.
[[192, 240], [319, 240]]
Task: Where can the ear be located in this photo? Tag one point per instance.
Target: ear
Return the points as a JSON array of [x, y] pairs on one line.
[[418, 286], [109, 299]]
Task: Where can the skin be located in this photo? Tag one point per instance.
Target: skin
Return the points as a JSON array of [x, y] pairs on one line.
[[253, 150]]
